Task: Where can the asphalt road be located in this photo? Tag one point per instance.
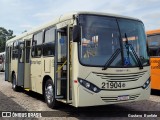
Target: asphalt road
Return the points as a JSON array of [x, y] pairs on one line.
[[29, 101]]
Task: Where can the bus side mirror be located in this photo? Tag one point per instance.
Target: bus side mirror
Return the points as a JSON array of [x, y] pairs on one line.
[[21, 45], [76, 33]]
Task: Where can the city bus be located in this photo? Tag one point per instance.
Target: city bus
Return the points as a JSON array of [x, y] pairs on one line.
[[2, 61], [82, 59], [153, 39]]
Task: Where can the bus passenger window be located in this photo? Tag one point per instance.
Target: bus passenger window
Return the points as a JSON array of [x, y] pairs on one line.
[[27, 51], [15, 50], [49, 42], [37, 44]]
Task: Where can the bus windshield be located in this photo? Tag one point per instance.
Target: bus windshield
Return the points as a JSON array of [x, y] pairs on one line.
[[154, 43], [102, 36]]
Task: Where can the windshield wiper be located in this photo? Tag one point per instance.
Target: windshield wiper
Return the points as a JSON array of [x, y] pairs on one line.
[[111, 59], [135, 54]]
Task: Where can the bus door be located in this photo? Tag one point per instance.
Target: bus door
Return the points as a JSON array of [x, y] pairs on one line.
[[21, 54], [62, 65], [8, 64], [27, 64]]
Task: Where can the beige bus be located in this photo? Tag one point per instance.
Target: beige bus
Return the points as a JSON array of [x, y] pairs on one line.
[[82, 59]]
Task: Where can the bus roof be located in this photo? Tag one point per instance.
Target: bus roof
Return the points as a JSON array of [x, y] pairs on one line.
[[2, 53], [64, 17], [152, 32]]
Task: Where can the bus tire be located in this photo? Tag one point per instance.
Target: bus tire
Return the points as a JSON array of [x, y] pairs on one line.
[[49, 94], [14, 86]]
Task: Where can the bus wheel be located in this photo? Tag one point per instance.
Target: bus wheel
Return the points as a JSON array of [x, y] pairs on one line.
[[49, 94], [14, 86]]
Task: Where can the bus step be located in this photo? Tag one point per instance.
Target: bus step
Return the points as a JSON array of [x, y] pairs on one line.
[[60, 63], [61, 78], [59, 97]]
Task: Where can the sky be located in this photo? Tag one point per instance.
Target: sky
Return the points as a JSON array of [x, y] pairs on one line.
[[21, 15]]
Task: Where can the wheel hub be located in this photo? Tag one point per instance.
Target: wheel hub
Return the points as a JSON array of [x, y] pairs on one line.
[[49, 93]]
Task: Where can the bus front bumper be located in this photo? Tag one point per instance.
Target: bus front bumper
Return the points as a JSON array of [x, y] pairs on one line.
[[104, 97]]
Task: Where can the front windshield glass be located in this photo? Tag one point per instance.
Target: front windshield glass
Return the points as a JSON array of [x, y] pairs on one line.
[[100, 38], [132, 33]]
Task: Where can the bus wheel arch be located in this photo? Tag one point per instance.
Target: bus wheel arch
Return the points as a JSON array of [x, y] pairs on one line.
[[14, 86], [45, 78], [48, 92], [12, 76]]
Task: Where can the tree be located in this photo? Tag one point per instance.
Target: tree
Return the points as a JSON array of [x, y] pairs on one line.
[[4, 36]]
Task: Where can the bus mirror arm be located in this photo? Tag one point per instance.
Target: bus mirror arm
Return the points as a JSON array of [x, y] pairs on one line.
[[76, 33], [21, 44]]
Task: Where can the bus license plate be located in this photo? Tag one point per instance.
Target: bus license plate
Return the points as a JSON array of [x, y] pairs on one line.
[[112, 85], [122, 98]]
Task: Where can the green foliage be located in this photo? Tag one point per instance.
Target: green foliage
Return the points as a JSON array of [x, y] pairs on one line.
[[4, 36]]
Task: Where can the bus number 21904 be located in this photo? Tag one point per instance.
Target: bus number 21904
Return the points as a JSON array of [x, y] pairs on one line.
[[111, 85]]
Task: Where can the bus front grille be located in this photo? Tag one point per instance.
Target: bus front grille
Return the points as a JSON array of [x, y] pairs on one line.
[[115, 99], [127, 77]]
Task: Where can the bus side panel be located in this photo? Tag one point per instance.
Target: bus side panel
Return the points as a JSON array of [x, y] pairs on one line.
[[27, 80], [36, 75], [7, 64], [7, 72], [47, 68], [75, 71], [14, 66], [20, 77], [155, 73]]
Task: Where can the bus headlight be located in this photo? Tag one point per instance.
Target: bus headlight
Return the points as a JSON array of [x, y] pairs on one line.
[[89, 85], [145, 85], [95, 89]]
